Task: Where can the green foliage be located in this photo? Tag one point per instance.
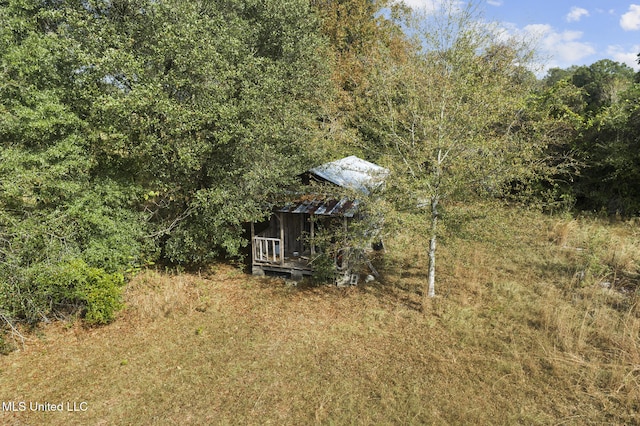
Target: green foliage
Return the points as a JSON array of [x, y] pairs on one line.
[[102, 293], [208, 109], [361, 41], [447, 118], [138, 129], [598, 105], [603, 82], [324, 268], [73, 284], [70, 286]]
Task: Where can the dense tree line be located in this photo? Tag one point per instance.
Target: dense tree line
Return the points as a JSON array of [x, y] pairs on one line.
[[599, 104], [138, 131]]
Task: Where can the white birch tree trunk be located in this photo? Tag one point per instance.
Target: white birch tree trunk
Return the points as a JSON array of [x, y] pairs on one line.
[[431, 279]]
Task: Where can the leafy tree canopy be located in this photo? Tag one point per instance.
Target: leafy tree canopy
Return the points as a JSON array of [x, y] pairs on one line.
[[133, 129]]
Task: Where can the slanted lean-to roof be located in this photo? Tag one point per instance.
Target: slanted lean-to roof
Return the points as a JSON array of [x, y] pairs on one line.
[[351, 173], [323, 207]]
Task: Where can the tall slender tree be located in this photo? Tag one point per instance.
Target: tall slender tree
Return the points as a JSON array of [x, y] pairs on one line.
[[448, 119]]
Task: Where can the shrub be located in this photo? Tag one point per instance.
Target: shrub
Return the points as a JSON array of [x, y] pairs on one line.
[[71, 286], [102, 293], [324, 269], [70, 260]]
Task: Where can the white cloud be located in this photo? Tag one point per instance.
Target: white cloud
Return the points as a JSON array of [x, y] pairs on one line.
[[430, 6], [555, 49], [495, 2], [576, 14], [426, 5], [630, 21], [630, 58]]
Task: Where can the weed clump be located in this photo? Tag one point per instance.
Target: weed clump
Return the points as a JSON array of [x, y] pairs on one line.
[[6, 346]]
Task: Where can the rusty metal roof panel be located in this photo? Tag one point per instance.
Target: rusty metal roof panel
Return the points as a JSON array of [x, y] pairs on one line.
[[303, 207], [330, 207], [327, 207], [337, 208], [351, 207]]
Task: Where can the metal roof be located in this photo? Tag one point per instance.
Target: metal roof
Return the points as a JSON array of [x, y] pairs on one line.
[[352, 173], [320, 206]]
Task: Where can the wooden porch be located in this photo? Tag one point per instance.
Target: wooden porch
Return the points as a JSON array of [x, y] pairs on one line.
[[281, 246]]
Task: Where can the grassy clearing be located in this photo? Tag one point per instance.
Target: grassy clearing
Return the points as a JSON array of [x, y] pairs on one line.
[[536, 322]]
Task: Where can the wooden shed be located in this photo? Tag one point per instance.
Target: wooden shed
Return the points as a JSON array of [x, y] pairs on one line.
[[285, 243]]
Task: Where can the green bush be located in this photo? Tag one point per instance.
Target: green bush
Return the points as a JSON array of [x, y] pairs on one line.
[[71, 286], [324, 269], [70, 260], [98, 292], [102, 293]]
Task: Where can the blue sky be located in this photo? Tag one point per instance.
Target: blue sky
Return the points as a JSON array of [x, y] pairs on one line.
[[568, 32]]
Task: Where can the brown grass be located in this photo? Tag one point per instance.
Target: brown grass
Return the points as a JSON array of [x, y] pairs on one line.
[[512, 338]]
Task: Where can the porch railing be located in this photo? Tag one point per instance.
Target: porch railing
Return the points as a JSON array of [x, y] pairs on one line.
[[266, 250]]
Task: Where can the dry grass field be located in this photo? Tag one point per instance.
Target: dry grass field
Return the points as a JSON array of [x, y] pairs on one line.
[[536, 322]]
